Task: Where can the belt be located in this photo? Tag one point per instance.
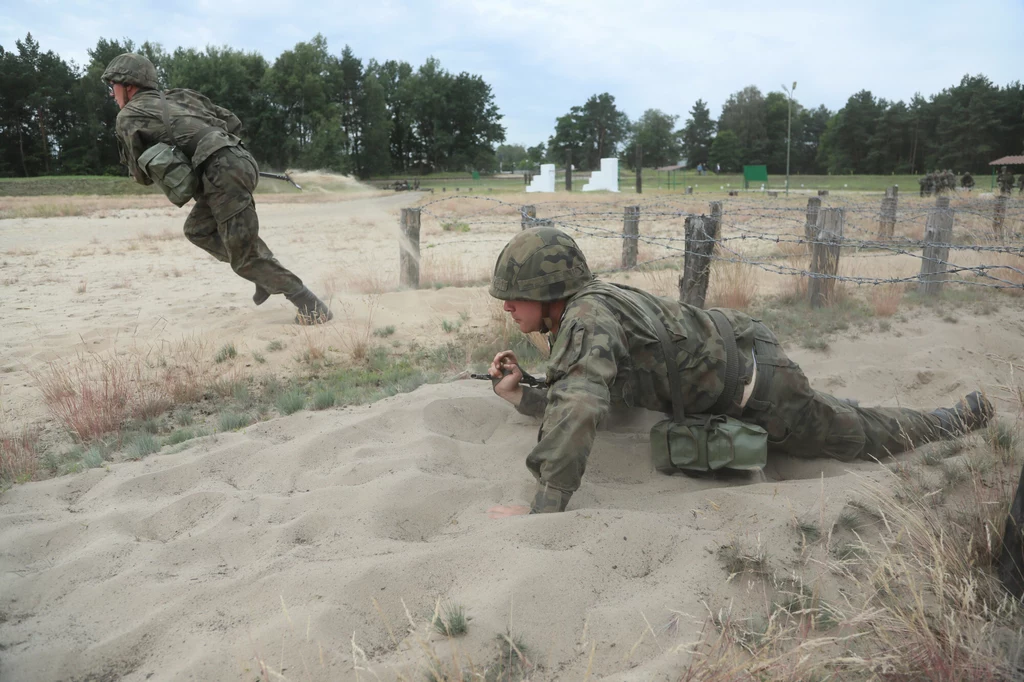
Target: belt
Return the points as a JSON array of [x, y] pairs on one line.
[[732, 363]]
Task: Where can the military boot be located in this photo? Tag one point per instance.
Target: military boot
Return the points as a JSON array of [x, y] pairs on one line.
[[311, 309], [260, 296], [971, 413]]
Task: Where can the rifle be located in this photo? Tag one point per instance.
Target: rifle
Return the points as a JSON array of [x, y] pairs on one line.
[[280, 176], [527, 379]]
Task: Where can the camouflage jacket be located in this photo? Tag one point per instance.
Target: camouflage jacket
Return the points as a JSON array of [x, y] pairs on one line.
[[607, 352], [140, 125]]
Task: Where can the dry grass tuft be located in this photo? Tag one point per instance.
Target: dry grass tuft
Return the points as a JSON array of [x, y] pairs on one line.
[[19, 455], [374, 281], [1010, 272], [886, 298], [439, 269], [732, 285], [92, 395], [796, 251], [358, 339]]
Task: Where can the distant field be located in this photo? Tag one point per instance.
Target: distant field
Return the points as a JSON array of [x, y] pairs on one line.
[[677, 182], [103, 185], [455, 182]]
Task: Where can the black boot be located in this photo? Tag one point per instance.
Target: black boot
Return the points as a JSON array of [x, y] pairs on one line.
[[311, 309], [971, 413], [260, 296]]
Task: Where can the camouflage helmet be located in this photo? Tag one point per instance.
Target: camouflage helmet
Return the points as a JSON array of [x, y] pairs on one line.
[[131, 69], [539, 264]]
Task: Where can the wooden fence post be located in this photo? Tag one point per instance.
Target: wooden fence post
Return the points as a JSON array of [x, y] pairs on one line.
[[938, 232], [630, 235], [701, 233], [716, 218], [639, 168], [825, 256], [887, 216], [568, 171], [811, 226], [409, 249], [999, 217], [528, 216]]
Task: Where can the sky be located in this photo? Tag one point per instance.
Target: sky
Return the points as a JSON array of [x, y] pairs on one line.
[[542, 57]]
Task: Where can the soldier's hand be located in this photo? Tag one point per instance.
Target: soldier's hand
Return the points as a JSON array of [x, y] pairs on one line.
[[502, 511], [505, 371]]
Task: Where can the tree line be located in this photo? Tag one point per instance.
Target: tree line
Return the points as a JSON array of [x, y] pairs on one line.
[[314, 109], [964, 127], [309, 109]]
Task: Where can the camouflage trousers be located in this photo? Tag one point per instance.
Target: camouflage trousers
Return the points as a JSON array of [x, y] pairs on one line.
[[223, 222], [803, 422]]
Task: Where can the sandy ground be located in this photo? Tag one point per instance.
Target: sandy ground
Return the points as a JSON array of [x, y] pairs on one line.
[[301, 547]]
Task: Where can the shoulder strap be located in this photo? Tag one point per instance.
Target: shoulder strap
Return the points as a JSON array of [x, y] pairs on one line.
[[167, 117], [669, 351]]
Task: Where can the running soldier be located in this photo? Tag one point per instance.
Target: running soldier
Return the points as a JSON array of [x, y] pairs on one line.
[[223, 221]]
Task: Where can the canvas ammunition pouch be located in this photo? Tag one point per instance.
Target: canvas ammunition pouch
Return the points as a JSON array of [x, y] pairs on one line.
[[701, 442], [169, 166], [705, 442]]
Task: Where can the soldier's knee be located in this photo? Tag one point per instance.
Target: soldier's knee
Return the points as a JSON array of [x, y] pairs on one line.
[[845, 438]]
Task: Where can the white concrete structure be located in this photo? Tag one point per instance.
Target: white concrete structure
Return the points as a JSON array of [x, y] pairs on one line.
[[607, 178], [543, 181]]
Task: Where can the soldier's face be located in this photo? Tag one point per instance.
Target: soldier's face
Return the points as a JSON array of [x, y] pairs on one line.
[[527, 314], [119, 93]]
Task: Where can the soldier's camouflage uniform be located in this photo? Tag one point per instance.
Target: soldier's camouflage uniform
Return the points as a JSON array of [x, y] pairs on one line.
[[607, 352], [223, 221]]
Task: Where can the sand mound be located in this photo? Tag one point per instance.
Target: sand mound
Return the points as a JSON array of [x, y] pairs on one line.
[[308, 542]]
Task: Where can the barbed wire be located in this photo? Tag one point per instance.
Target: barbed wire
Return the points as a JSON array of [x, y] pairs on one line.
[[601, 221]]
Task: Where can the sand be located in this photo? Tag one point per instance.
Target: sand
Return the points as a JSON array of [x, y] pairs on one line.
[[315, 546]]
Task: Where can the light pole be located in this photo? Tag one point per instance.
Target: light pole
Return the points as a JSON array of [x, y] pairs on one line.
[[789, 129]]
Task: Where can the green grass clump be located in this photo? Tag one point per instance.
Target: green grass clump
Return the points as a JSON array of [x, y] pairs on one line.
[[179, 436], [736, 560], [450, 619], [291, 401], [141, 445], [274, 345], [450, 327], [809, 530], [324, 398], [455, 226], [231, 421], [93, 458], [226, 352], [1002, 438], [384, 332]]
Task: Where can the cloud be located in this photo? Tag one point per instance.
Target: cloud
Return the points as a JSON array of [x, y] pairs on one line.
[[543, 56]]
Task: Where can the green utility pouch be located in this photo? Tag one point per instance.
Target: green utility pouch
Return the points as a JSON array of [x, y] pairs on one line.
[[705, 442], [708, 443], [171, 170], [169, 167]]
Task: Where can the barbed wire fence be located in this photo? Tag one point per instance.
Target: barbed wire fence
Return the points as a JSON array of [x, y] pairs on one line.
[[951, 239]]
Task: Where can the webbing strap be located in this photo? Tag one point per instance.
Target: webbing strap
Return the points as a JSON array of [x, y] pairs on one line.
[[647, 309], [167, 117], [732, 363], [669, 351]]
